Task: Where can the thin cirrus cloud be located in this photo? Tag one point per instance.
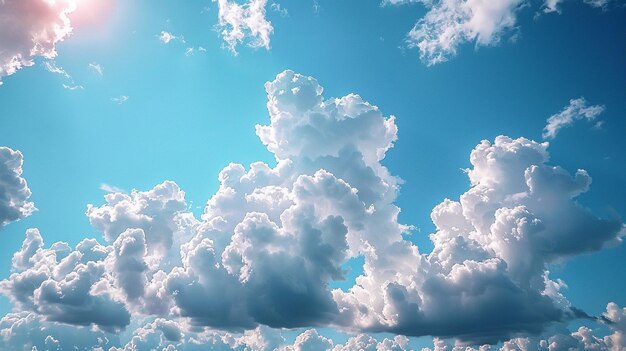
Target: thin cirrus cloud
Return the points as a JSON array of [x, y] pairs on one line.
[[577, 109], [272, 238], [120, 99]]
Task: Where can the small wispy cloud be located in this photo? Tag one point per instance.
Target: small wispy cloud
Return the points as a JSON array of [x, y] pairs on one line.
[[120, 99], [276, 7], [167, 37], [111, 188], [192, 50], [316, 7], [96, 68], [576, 110], [52, 67], [73, 87]]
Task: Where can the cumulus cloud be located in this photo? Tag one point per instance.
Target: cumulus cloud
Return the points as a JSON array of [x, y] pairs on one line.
[[61, 284], [14, 191], [30, 29], [272, 239], [578, 109], [29, 331], [244, 22]]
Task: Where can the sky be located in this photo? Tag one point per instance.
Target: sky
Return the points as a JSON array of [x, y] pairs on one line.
[[312, 175]]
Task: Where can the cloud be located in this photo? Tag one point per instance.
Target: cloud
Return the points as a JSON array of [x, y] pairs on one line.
[[120, 99], [31, 28], [52, 67], [166, 37], [64, 285], [551, 6], [584, 338], [111, 188], [577, 109], [450, 23], [276, 7], [29, 331], [73, 87], [14, 191], [597, 3], [275, 237], [244, 22], [97, 68], [486, 278]]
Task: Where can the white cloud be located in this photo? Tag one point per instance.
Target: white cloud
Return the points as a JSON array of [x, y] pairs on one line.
[[97, 68], [577, 109], [597, 3], [14, 191], [278, 8], [239, 23], [451, 23], [73, 87], [120, 99], [111, 188], [53, 68], [31, 28], [551, 6], [272, 238], [166, 37]]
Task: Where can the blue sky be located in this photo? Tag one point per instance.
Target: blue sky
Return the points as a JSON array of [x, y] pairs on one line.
[[187, 116]]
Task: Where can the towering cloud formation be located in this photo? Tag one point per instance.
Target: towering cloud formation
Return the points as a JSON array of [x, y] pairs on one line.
[[31, 28], [273, 238], [236, 22], [14, 192]]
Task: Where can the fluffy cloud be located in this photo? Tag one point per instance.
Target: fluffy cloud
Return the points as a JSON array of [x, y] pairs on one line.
[[577, 109], [31, 28], [451, 23], [64, 285], [239, 23], [166, 37], [29, 331], [486, 278], [273, 238], [14, 192]]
